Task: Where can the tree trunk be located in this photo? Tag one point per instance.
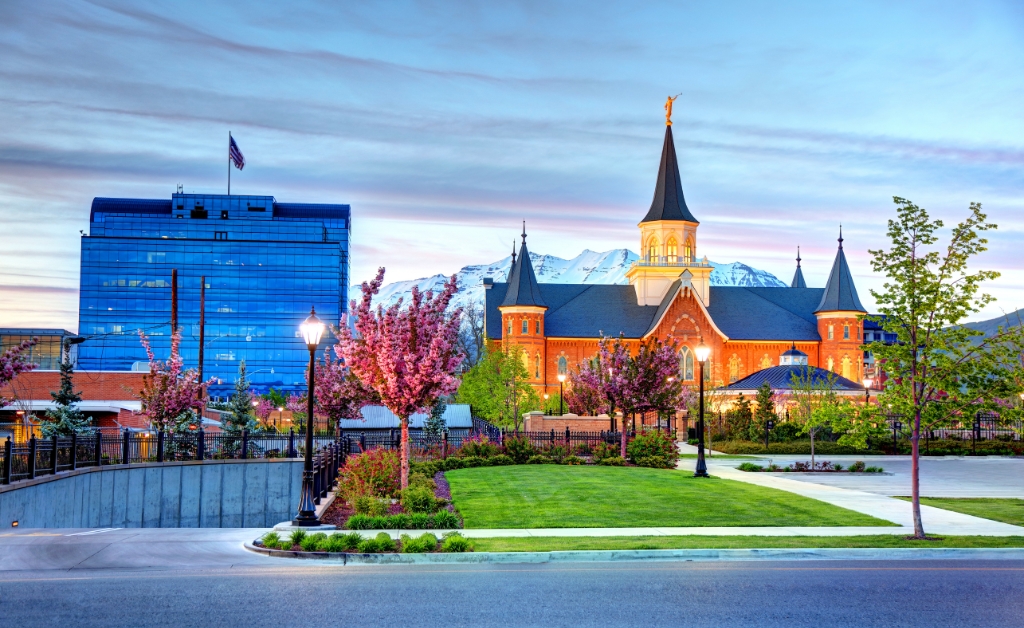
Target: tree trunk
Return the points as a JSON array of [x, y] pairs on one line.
[[405, 453], [622, 444], [915, 472], [812, 448]]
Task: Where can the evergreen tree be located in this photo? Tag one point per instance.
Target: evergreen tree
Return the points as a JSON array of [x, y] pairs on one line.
[[764, 412], [738, 419], [435, 425], [65, 419], [240, 410]]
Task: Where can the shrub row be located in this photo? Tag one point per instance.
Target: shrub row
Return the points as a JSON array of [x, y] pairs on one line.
[[800, 447], [825, 465], [353, 541], [441, 520]]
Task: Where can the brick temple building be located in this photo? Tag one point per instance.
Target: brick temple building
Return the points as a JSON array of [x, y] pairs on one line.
[[670, 297]]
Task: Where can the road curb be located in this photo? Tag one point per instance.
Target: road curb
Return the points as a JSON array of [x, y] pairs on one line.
[[706, 555]]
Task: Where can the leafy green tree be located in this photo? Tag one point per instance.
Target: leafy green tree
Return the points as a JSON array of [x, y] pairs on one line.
[[764, 412], [939, 371], [65, 418], [809, 393], [498, 387], [738, 419], [240, 414]]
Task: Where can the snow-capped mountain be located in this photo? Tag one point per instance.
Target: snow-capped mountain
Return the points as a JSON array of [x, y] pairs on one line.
[[590, 267]]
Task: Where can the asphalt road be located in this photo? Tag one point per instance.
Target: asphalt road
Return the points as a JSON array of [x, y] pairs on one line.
[[709, 594]]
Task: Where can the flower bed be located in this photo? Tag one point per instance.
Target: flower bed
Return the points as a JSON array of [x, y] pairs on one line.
[[805, 467], [321, 543]]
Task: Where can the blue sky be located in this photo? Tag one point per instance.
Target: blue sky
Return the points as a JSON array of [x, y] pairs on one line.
[[445, 124]]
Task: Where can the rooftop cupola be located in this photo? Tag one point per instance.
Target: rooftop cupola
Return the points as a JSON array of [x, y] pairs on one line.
[[798, 277], [793, 357], [840, 293]]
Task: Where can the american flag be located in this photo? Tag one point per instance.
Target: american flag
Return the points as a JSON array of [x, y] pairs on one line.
[[235, 155]]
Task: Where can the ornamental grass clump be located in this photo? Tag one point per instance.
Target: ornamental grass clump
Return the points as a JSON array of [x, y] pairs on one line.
[[296, 537], [456, 543], [271, 540], [612, 461], [375, 473], [380, 543], [312, 542]]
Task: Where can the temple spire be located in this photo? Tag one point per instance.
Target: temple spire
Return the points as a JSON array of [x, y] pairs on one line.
[[798, 277], [668, 203], [523, 288], [840, 293]]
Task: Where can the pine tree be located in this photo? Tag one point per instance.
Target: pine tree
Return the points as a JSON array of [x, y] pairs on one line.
[[764, 412], [65, 419], [435, 425], [240, 411]]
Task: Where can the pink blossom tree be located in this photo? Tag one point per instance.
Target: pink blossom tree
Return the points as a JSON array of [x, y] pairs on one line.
[[171, 396], [339, 393], [264, 408], [13, 362], [408, 355], [617, 380], [585, 395], [656, 385]]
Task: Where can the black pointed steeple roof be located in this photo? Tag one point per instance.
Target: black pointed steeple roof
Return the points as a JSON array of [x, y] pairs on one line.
[[522, 283], [840, 293], [798, 277], [668, 203]]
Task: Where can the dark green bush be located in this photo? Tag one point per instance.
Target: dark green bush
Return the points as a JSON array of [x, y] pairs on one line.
[[418, 499], [873, 470], [557, 453], [359, 522], [295, 538], [655, 448], [613, 461], [429, 468], [750, 466], [602, 450], [478, 448], [472, 461], [370, 505], [502, 460], [857, 467], [426, 542], [419, 521], [271, 540], [519, 448], [397, 522], [381, 543], [538, 459], [445, 519], [456, 543], [422, 480], [452, 463], [573, 460], [800, 447]]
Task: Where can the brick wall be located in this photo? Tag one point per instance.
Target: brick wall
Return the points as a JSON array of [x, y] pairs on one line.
[[93, 385]]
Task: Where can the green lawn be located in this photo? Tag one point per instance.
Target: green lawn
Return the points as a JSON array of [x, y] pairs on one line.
[[556, 496], [553, 544], [1007, 510]]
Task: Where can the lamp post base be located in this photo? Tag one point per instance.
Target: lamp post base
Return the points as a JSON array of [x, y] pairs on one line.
[[289, 526]]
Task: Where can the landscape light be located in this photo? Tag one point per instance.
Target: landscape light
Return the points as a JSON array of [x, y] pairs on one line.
[[703, 352], [312, 329]]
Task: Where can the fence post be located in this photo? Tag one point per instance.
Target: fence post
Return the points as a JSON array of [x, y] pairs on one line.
[[74, 450], [99, 448], [444, 444], [566, 435], [8, 460], [317, 474], [200, 445], [362, 441], [32, 458], [53, 456], [126, 447], [245, 444], [160, 445], [291, 442], [552, 436]]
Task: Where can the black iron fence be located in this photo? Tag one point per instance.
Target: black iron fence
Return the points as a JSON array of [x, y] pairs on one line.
[[47, 456]]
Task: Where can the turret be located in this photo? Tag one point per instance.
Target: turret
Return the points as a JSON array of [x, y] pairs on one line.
[[522, 314], [798, 276], [840, 321]]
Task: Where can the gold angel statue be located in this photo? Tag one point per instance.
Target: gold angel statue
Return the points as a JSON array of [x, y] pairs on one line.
[[668, 108]]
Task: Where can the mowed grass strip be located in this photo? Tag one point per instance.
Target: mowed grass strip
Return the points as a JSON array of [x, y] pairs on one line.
[[1007, 510], [556, 496], [576, 543]]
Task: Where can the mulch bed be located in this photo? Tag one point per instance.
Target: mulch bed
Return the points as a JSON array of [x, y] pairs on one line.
[[339, 512]]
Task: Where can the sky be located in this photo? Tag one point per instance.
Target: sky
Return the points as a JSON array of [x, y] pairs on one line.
[[445, 124]]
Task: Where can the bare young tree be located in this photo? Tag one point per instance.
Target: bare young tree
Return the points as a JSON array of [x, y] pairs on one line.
[[472, 335]]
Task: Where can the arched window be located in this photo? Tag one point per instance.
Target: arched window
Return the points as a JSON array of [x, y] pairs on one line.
[[847, 367], [537, 326], [686, 364], [846, 332], [536, 366], [526, 326], [510, 327], [688, 251], [563, 365], [831, 364], [671, 251], [831, 332], [526, 362], [766, 362], [652, 250], [734, 368]]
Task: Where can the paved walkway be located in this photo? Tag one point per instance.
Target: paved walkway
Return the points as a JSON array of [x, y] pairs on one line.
[[936, 520]]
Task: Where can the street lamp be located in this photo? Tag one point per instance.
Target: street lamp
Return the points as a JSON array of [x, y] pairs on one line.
[[867, 390], [561, 404], [702, 351], [312, 329], [546, 407]]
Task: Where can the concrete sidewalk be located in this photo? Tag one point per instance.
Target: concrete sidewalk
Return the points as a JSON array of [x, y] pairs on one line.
[[936, 520]]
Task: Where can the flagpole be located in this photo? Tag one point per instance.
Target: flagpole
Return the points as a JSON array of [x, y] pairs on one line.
[[229, 163]]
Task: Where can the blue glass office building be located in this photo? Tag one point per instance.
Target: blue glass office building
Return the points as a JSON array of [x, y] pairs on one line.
[[265, 264]]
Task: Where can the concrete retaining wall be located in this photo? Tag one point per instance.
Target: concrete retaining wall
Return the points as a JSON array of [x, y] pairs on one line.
[[209, 494]]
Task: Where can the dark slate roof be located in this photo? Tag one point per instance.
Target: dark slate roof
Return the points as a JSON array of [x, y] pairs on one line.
[[798, 277], [523, 288], [585, 311], [781, 378], [765, 313], [840, 293], [668, 203], [794, 352]]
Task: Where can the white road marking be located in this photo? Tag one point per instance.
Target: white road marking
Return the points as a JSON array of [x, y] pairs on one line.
[[100, 531]]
